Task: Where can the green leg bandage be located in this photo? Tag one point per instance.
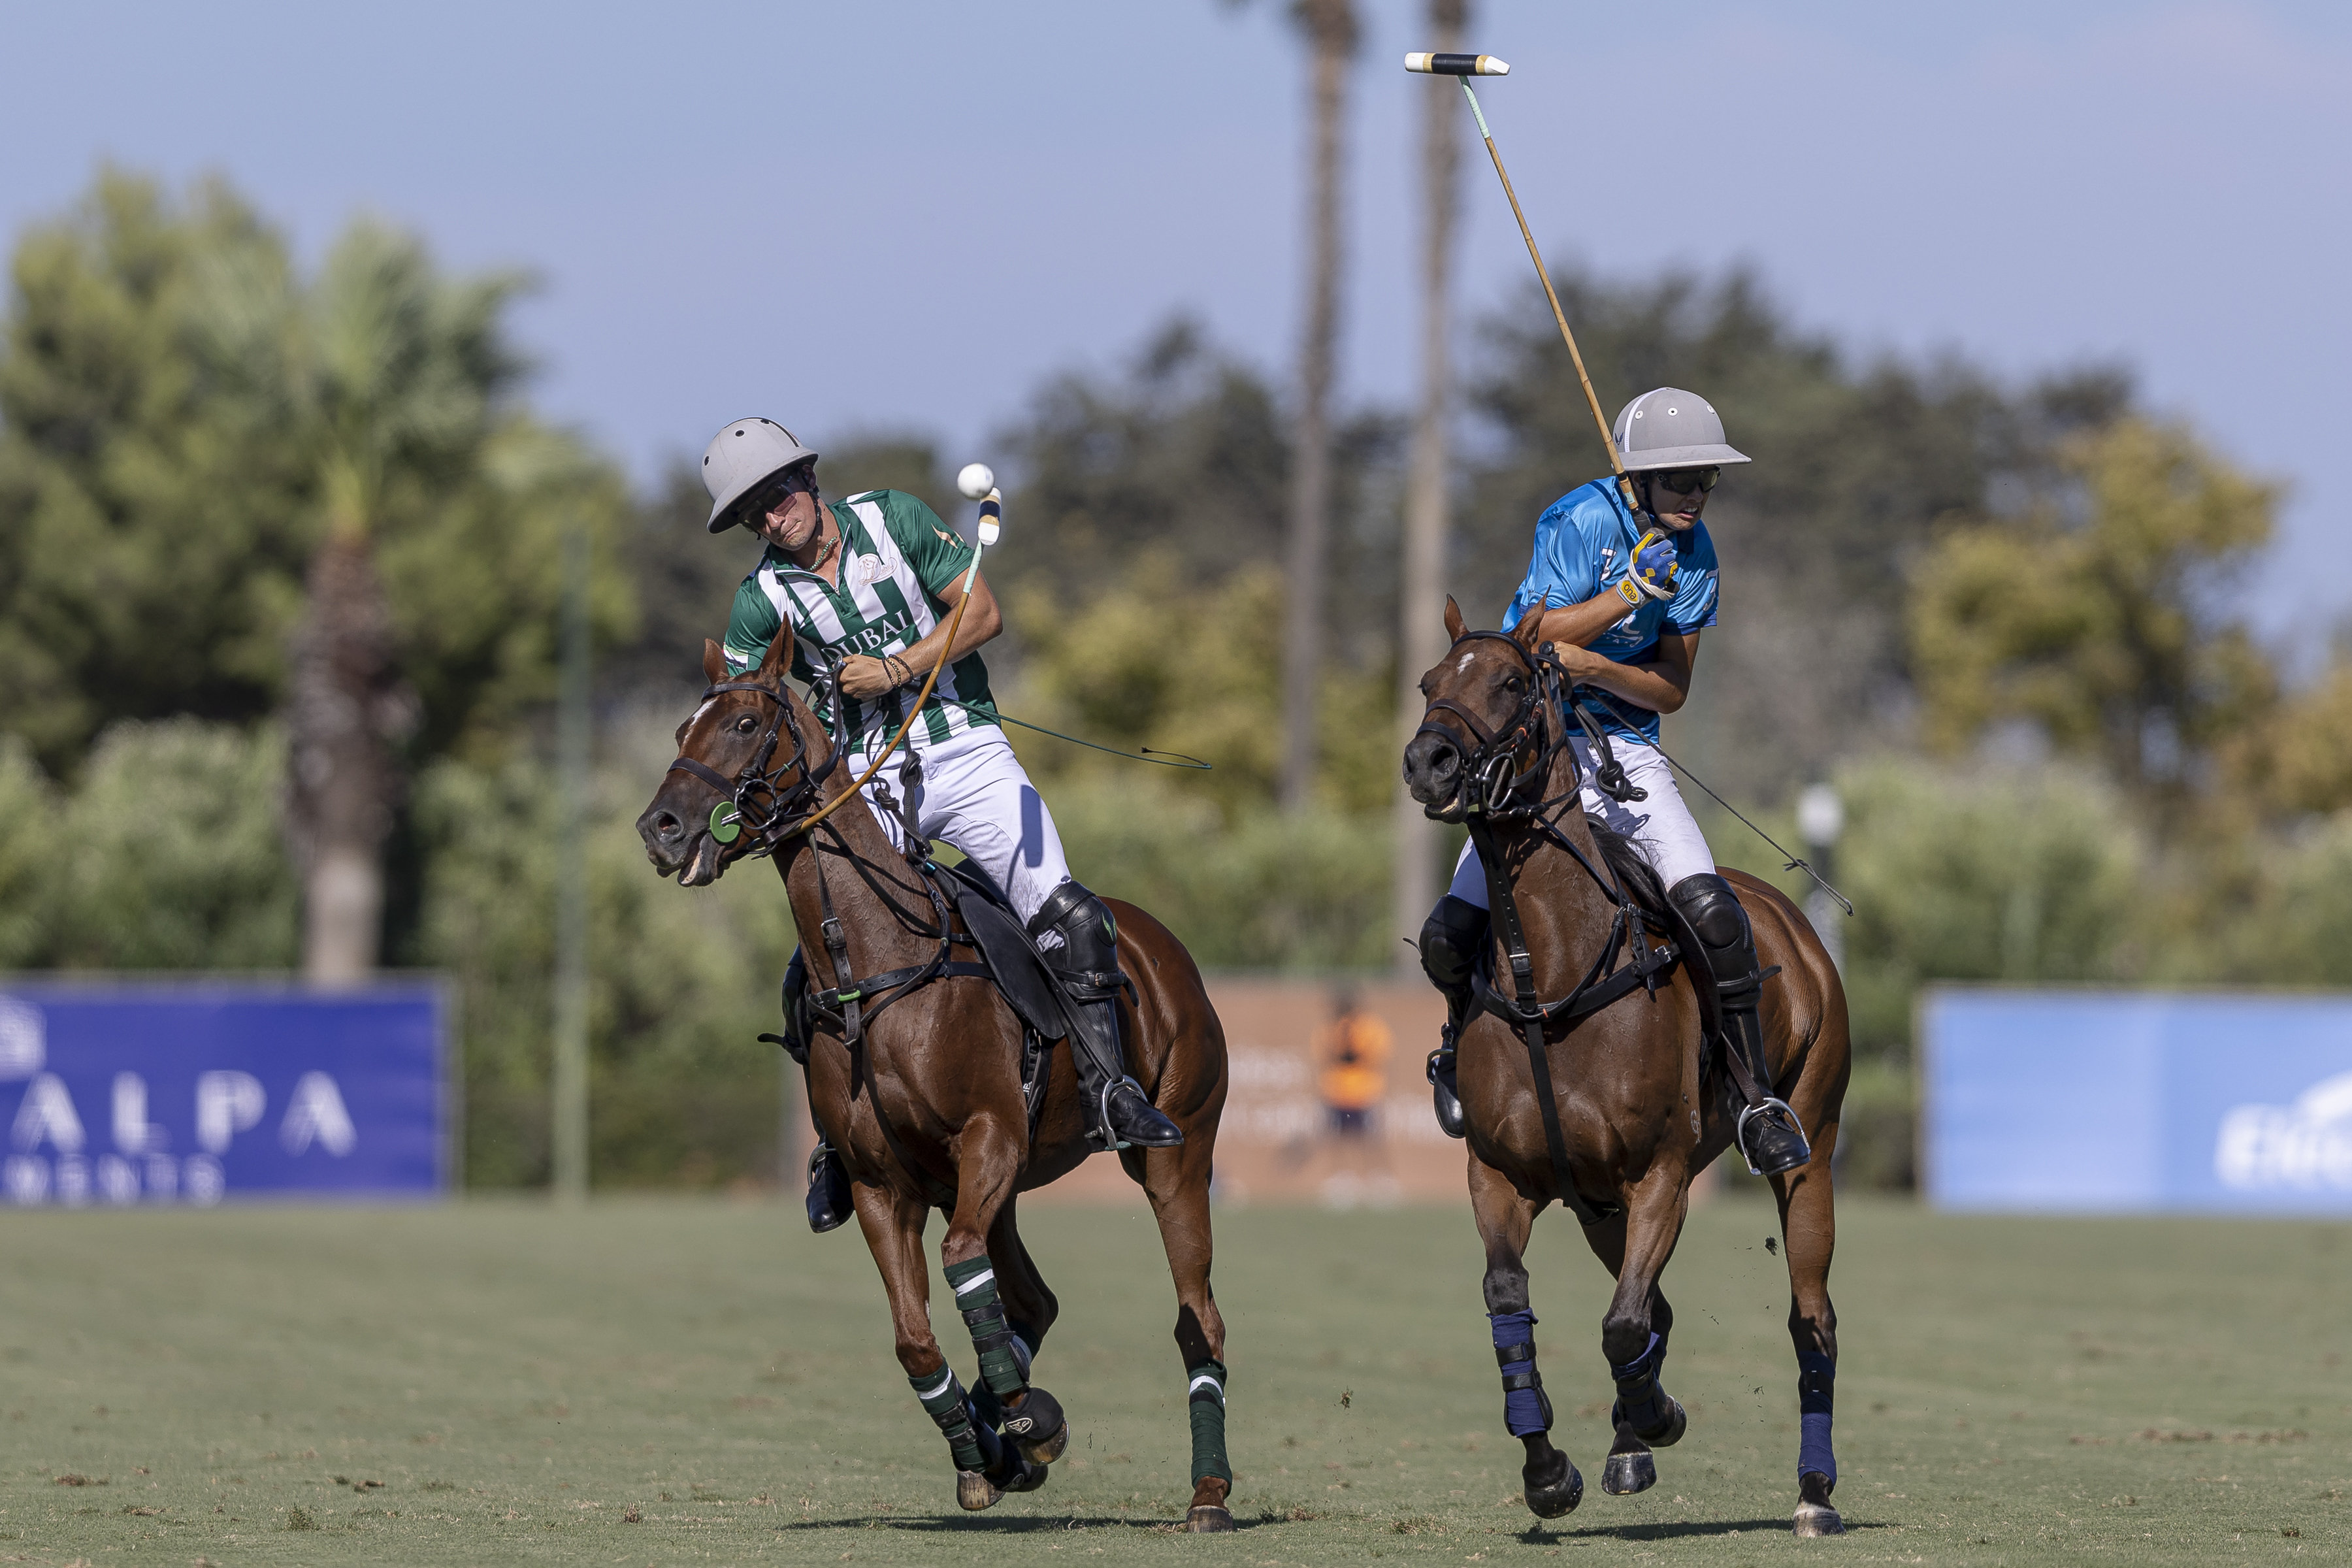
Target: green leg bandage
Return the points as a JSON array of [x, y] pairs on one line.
[[942, 1399], [1208, 1408], [974, 1284]]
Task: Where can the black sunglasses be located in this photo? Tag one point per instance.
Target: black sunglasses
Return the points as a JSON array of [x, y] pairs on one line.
[[768, 499], [1681, 481]]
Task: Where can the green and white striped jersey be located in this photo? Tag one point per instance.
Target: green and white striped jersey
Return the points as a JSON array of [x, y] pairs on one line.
[[896, 556]]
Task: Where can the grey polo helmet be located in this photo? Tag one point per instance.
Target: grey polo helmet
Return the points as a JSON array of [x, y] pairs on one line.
[[1671, 428], [742, 458]]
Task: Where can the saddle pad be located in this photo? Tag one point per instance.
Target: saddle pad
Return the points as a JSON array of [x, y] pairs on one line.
[[1007, 950]]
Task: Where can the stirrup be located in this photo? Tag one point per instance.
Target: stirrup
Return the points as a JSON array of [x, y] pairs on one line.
[[1105, 1136], [1775, 1110]]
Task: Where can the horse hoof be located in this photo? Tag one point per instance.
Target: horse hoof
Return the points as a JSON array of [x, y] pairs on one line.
[[976, 1491], [1209, 1520], [1039, 1428], [1815, 1519], [1626, 1474], [1551, 1496]]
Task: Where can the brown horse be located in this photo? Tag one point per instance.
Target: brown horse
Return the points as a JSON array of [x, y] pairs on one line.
[[1644, 1102], [923, 1096]]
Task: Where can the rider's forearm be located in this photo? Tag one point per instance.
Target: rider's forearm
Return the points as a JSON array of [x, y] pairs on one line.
[[1578, 624], [1643, 685]]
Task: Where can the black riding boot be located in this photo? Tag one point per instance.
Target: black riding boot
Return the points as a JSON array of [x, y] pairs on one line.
[[1771, 1137], [828, 1179], [1086, 961], [1449, 939]]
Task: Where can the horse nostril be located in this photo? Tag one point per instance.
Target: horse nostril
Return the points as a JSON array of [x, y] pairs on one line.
[[1432, 760], [667, 828]]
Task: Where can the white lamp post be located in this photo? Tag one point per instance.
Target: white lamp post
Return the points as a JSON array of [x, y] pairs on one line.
[[1821, 817]]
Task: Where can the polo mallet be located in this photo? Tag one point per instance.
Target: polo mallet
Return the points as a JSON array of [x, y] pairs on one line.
[[1464, 67], [978, 483]]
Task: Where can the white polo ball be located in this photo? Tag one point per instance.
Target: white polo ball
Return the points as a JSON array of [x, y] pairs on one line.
[[976, 480]]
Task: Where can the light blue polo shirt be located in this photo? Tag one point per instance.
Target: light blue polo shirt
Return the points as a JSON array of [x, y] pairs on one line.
[[1584, 545]]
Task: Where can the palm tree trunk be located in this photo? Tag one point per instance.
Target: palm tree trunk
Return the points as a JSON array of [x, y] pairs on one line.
[[1421, 601], [347, 710], [1330, 27]]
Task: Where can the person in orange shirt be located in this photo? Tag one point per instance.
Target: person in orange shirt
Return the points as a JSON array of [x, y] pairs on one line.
[[1351, 1055]]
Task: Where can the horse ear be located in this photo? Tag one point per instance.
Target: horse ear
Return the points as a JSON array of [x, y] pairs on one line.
[[1524, 634], [1455, 627], [779, 656], [714, 662]]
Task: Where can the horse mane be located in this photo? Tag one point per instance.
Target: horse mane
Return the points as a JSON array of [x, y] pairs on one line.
[[1635, 874]]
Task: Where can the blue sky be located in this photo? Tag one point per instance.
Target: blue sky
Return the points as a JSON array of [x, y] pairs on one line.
[[900, 214]]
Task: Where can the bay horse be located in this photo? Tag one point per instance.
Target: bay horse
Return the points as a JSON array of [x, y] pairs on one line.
[[921, 1093], [1642, 1100]]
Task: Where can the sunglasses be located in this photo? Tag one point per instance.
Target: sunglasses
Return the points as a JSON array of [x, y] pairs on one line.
[[1683, 482], [788, 483]]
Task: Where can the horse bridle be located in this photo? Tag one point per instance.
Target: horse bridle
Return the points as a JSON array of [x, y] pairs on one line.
[[1490, 782], [1494, 772], [768, 822]]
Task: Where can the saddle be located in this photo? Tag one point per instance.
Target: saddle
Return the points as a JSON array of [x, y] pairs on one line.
[[1004, 955]]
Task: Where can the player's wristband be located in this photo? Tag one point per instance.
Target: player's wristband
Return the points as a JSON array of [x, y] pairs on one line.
[[1624, 589]]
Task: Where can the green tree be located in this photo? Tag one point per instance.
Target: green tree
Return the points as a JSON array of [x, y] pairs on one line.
[[2096, 615], [195, 444], [150, 542]]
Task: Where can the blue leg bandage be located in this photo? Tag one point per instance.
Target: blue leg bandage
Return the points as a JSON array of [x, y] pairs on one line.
[[1639, 1395], [1526, 1410], [1816, 1392]]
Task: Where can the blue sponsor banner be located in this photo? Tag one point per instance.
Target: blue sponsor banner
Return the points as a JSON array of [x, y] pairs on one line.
[[2117, 1101], [192, 1092]]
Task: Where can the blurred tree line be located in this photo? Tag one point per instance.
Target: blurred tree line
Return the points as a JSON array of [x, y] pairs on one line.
[[2005, 620]]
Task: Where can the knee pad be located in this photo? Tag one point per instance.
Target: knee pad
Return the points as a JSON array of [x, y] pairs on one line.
[[795, 992], [1713, 910], [1449, 942], [1089, 936]]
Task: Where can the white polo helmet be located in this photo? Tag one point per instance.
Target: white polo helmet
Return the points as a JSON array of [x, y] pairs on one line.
[[1671, 428], [742, 458]]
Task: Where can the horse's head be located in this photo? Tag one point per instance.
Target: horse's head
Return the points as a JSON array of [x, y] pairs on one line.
[[1484, 728], [749, 756]]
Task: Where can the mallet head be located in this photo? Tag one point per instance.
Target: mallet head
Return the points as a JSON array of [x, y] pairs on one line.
[[1458, 64]]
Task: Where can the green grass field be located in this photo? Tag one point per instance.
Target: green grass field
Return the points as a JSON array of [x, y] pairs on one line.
[[494, 1383]]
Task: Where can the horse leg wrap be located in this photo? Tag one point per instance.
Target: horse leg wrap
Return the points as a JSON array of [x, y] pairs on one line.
[[942, 1399], [1003, 1368], [1816, 1392], [1207, 1400], [1640, 1398], [1527, 1409]]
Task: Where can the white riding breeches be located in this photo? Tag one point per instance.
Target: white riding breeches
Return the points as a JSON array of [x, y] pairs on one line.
[[1660, 826], [976, 795]]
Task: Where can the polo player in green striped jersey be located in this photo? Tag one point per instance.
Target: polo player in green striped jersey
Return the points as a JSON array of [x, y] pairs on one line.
[[875, 578]]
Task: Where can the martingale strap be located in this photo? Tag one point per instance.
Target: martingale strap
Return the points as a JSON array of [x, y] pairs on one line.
[[1506, 912]]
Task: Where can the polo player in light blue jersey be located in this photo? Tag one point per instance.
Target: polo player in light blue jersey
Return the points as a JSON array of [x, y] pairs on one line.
[[1624, 603]]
